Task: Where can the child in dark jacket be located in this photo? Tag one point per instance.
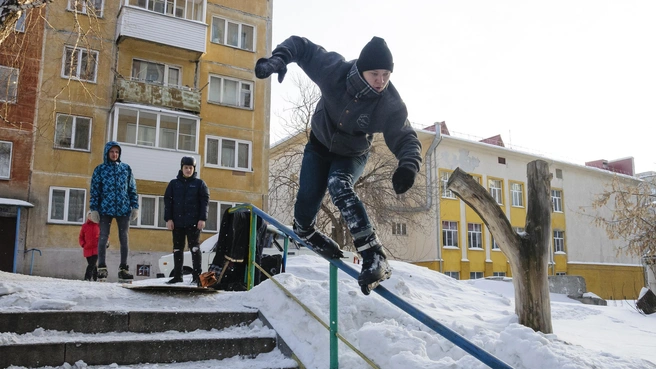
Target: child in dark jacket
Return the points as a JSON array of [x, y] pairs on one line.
[[185, 211]]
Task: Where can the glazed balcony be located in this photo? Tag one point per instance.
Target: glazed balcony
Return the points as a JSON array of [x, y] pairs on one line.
[[176, 23]]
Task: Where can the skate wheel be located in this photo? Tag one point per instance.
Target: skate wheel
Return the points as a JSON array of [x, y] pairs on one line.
[[366, 290]]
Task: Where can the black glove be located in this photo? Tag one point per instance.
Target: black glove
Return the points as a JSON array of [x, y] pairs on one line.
[[266, 67], [403, 179]]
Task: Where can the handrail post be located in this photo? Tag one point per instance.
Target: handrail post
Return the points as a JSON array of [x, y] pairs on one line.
[[334, 364], [253, 249]]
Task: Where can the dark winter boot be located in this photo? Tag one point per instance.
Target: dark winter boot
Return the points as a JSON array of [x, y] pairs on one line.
[[124, 274], [102, 272], [95, 273], [374, 263], [177, 267], [319, 242], [195, 280], [195, 261]]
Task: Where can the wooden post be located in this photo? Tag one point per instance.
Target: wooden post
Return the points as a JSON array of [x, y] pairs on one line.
[[528, 253]]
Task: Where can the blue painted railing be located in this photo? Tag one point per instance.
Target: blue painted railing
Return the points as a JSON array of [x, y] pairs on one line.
[[455, 338]]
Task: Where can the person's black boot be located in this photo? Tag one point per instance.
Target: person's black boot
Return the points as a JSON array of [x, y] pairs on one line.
[[319, 242], [374, 263], [124, 274], [177, 267]]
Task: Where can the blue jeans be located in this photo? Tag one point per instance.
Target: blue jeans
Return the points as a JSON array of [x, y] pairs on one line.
[[123, 228], [321, 170]]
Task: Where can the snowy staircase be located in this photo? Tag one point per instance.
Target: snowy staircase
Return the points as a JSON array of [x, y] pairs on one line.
[[52, 338]]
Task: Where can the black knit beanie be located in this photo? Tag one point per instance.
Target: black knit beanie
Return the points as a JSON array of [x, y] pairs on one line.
[[375, 55]]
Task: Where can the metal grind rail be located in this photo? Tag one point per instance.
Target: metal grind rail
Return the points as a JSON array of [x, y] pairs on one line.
[[455, 338]]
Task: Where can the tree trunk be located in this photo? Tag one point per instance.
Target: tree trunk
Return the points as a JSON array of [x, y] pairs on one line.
[[528, 253]]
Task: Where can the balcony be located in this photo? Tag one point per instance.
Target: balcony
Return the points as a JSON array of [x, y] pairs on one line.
[[139, 92], [152, 26]]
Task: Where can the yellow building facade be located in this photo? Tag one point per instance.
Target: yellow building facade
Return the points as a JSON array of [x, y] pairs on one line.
[[165, 80]]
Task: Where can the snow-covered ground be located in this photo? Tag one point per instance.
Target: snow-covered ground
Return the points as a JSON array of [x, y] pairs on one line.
[[616, 336]]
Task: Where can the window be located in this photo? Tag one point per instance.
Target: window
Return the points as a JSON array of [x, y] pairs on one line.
[[495, 245], [72, 132], [559, 173], [231, 92], [93, 7], [66, 205], [234, 34], [449, 234], [156, 129], [5, 159], [80, 63], [8, 84], [518, 230], [501, 160], [517, 194], [398, 229], [557, 201], [496, 190], [187, 9], [151, 212], [559, 241], [444, 178], [157, 73], [223, 152], [216, 210], [20, 23], [454, 275], [561, 273], [498, 274], [475, 275], [474, 235]]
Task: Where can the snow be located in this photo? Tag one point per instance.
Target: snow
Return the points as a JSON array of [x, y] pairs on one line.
[[616, 336]]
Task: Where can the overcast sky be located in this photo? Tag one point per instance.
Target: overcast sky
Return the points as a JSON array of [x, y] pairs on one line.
[[571, 80]]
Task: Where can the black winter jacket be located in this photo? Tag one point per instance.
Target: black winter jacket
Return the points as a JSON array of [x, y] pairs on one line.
[[350, 111], [186, 200]]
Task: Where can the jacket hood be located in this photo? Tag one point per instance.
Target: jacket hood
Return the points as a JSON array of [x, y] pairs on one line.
[[108, 146]]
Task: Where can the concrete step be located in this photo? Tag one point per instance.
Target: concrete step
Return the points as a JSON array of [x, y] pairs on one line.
[[51, 338]]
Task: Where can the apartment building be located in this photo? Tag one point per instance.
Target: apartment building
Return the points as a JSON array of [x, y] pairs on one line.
[[448, 236], [165, 79]]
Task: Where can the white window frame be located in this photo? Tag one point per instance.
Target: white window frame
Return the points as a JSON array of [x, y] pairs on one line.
[[495, 245], [77, 73], [557, 201], [165, 77], [244, 98], [496, 190], [220, 208], [450, 234], [399, 229], [67, 200], [559, 241], [517, 194], [83, 6], [140, 131], [454, 275], [444, 178], [158, 210], [11, 84], [6, 174], [498, 274], [219, 155], [74, 132], [475, 236], [226, 33], [173, 8]]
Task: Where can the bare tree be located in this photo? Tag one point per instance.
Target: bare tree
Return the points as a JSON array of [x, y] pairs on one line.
[[632, 218], [528, 253], [11, 11], [373, 187]]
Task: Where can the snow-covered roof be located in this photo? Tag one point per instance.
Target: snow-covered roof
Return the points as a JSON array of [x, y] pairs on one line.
[[14, 202]]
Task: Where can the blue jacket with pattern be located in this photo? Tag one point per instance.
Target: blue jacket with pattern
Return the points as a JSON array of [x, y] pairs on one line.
[[350, 111], [113, 187]]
